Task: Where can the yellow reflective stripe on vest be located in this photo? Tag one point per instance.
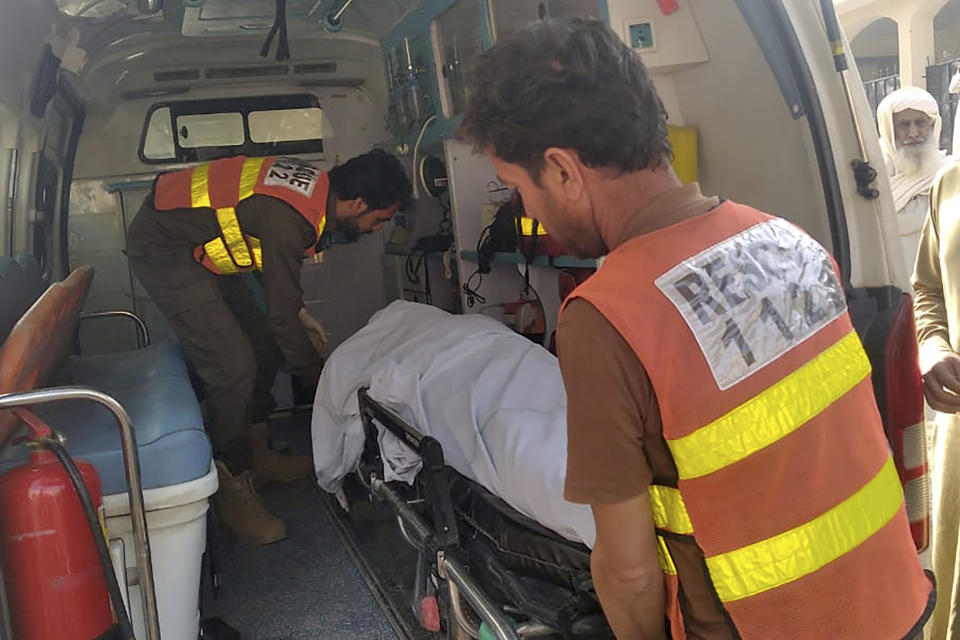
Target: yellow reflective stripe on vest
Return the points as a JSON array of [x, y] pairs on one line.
[[791, 555], [233, 236], [773, 414], [526, 227], [669, 511], [216, 250], [200, 186], [664, 558], [256, 250], [248, 177]]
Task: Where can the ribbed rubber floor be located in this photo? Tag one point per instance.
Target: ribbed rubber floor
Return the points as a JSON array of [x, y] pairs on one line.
[[307, 586]]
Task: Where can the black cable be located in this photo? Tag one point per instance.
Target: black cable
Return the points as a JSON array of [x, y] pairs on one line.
[[446, 223], [279, 27], [473, 297], [420, 252], [418, 255], [426, 279], [283, 46], [485, 251], [116, 597], [415, 260], [527, 290], [265, 49], [536, 294]]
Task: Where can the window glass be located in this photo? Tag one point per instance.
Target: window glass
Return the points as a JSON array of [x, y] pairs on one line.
[[158, 144], [210, 130], [286, 125]]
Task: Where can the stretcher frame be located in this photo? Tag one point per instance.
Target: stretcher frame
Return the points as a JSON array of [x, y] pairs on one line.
[[440, 546]]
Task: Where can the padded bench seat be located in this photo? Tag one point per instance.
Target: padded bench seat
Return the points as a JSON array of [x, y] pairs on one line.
[[160, 359], [151, 383], [167, 420]]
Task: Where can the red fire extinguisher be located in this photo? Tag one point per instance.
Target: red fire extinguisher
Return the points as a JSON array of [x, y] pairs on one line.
[[56, 569]]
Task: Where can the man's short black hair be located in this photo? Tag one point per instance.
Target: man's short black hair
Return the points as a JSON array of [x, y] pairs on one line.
[[375, 176], [570, 84]]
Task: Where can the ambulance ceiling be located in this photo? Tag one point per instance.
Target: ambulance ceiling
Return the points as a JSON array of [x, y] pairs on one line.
[[132, 47], [217, 17]]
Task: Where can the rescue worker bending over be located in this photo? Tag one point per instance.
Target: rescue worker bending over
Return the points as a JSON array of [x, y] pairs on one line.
[[189, 242], [721, 418]]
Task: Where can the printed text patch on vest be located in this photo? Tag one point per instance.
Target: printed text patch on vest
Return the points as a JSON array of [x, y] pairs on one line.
[[290, 173], [752, 297]]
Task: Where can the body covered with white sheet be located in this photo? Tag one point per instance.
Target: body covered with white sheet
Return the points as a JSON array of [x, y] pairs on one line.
[[493, 399]]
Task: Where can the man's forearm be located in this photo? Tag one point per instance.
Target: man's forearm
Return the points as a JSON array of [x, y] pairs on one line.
[[933, 334], [300, 355], [634, 605]]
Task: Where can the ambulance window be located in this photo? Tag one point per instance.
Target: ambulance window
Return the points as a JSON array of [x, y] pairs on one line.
[[285, 125], [255, 126], [210, 130], [158, 144]]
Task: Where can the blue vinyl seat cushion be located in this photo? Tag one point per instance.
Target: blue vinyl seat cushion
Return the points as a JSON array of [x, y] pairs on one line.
[[153, 386], [159, 359]]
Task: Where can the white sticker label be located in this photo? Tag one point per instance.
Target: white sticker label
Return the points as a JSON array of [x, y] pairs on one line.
[[754, 296], [292, 174]]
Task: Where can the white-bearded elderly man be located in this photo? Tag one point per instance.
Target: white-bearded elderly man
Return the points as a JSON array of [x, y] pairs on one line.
[[910, 124]]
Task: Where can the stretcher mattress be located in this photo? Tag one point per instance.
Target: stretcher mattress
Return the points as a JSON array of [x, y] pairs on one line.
[[493, 399]]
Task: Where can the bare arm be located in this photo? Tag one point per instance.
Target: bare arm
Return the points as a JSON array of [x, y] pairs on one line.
[[625, 569], [609, 399]]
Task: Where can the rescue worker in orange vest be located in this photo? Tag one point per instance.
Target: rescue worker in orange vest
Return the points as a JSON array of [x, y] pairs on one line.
[[193, 237], [721, 420]]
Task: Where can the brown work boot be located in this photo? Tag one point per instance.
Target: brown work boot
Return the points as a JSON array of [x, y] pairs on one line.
[[241, 512], [269, 466]]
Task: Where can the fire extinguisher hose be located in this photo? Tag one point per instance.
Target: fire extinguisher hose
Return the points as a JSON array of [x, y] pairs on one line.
[[116, 598]]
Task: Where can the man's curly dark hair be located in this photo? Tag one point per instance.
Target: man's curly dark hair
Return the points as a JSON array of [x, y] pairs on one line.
[[570, 84], [375, 176]]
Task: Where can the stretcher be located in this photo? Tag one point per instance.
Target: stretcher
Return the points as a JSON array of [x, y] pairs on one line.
[[495, 572]]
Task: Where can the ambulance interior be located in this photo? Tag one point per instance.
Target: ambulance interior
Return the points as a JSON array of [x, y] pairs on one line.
[[97, 97]]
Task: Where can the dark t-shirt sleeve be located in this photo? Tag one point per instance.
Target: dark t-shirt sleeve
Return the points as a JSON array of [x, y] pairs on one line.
[[609, 397], [284, 237]]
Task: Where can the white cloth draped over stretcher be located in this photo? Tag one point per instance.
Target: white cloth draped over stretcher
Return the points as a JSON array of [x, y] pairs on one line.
[[493, 399]]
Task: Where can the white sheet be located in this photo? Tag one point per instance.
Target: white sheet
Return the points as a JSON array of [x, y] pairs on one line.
[[493, 399]]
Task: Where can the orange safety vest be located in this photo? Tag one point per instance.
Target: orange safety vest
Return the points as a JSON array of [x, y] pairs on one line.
[[222, 184], [786, 483]]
